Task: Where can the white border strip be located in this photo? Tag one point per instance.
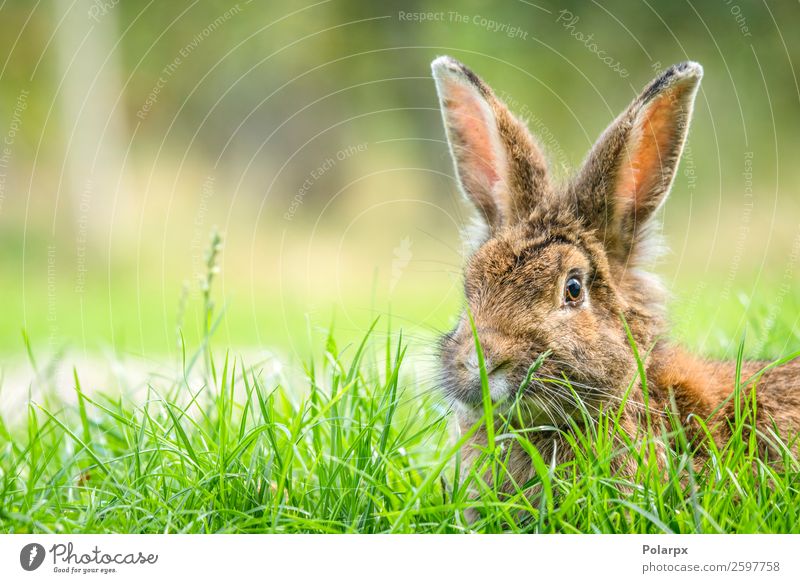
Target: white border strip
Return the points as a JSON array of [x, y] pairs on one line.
[[403, 558]]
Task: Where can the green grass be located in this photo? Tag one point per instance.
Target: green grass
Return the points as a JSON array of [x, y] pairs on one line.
[[355, 442], [358, 447]]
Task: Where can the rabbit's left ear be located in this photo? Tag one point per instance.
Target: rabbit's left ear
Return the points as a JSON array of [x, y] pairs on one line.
[[630, 170]]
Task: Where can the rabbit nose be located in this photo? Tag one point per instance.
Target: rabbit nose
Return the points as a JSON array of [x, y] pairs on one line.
[[491, 364], [471, 362]]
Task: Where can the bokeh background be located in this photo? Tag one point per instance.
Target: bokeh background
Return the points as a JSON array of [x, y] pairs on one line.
[[308, 134]]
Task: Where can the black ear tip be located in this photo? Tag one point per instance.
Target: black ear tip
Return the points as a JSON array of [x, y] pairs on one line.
[[689, 71], [446, 66], [684, 70]]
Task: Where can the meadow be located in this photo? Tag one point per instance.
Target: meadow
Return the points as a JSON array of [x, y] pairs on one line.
[[359, 442]]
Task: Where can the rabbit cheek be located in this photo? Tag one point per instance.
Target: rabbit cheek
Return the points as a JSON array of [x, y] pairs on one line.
[[591, 352]]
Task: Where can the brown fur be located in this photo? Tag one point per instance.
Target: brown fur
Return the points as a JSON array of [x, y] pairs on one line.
[[596, 228]]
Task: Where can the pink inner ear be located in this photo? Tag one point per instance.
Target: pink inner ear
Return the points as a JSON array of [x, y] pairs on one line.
[[644, 167], [473, 139]]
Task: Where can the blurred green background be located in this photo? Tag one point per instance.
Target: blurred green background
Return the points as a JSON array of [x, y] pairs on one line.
[[309, 134]]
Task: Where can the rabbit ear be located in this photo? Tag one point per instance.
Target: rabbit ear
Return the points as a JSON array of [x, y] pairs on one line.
[[498, 165], [630, 170]]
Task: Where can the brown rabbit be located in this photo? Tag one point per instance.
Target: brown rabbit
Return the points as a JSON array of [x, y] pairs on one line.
[[560, 268]]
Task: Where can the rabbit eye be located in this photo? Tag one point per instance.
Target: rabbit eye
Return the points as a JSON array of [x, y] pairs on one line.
[[573, 291]]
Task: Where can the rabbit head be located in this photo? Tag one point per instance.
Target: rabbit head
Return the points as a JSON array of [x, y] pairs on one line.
[[559, 266]]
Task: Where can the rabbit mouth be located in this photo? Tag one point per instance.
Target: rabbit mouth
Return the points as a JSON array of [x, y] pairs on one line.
[[500, 387], [534, 402]]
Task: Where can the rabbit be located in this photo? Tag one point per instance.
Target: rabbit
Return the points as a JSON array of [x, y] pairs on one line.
[[559, 268]]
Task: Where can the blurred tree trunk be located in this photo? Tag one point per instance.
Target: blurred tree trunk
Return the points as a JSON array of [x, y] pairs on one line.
[[96, 138]]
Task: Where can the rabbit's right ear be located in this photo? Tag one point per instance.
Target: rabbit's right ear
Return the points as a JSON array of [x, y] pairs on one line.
[[498, 165]]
